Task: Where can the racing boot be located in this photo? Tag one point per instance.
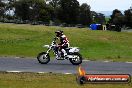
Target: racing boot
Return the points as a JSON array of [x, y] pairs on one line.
[[65, 54]]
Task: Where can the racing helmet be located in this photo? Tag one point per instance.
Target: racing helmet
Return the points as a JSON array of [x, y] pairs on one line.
[[59, 33]]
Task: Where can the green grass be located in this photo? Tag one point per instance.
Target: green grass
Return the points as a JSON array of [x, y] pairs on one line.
[[27, 41], [34, 80]]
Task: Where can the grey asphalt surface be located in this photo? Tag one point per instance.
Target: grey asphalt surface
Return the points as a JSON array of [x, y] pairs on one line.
[[55, 66]]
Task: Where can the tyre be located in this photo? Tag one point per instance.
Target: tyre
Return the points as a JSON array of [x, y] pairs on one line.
[[43, 58], [77, 60], [80, 80]]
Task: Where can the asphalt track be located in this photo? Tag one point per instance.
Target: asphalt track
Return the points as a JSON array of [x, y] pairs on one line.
[[92, 67]]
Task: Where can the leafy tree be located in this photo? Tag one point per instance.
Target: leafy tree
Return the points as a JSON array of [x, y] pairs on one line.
[[22, 9], [128, 17], [54, 3], [38, 10], [34, 10], [10, 9], [98, 17], [85, 17], [53, 7], [2, 9], [68, 11], [117, 18]]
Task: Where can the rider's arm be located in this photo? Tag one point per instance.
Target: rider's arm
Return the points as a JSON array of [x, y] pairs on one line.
[[65, 41]]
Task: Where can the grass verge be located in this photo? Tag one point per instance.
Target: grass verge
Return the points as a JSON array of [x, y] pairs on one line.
[[27, 40], [34, 80]]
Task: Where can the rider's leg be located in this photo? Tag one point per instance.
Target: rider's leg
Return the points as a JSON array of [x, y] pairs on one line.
[[56, 50], [64, 52], [59, 51]]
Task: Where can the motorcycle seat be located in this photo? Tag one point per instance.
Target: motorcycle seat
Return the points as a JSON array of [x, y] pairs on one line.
[[67, 48]]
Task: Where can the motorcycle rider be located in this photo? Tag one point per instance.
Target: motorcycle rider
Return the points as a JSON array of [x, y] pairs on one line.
[[64, 43]]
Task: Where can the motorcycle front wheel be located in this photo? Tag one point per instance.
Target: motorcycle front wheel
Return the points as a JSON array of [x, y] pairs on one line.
[[43, 58], [77, 60]]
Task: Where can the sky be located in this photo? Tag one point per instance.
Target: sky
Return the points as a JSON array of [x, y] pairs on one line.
[[107, 5]]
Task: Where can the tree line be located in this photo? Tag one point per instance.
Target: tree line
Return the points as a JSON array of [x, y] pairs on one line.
[[119, 19], [58, 11], [61, 11]]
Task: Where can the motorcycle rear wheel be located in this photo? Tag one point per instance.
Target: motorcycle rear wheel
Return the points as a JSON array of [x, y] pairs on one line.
[[77, 60]]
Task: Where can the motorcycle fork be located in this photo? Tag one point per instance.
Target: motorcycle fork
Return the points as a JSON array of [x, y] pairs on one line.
[[47, 52]]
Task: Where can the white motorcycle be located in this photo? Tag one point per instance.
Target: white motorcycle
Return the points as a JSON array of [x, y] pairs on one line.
[[73, 54]]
